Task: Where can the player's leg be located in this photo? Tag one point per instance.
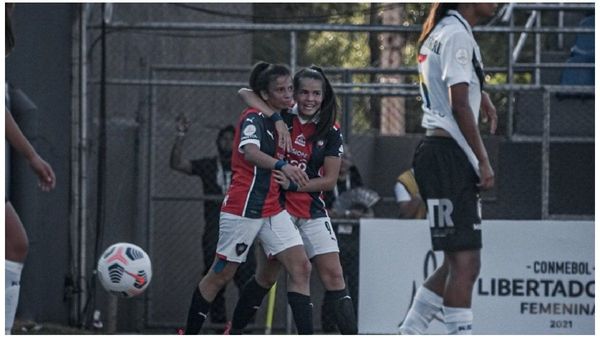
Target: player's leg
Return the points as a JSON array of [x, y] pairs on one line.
[[427, 303], [282, 239], [463, 271], [235, 237], [254, 291], [336, 295], [321, 246], [210, 237], [17, 246]]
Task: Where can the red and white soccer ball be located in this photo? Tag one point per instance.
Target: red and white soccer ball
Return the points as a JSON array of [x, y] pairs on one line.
[[125, 269]]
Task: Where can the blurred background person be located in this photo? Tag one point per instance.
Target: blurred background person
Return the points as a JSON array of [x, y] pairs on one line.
[[410, 203]]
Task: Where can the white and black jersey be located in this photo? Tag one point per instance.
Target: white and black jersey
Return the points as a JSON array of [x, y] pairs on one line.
[[450, 55]]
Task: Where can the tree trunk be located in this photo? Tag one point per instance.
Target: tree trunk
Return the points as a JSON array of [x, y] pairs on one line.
[[393, 112]]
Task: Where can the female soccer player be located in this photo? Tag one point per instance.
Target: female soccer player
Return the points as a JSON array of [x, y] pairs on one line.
[[451, 163], [251, 206], [316, 149], [16, 240]]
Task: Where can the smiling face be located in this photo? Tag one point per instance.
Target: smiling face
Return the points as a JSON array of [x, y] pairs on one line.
[[279, 95], [309, 96]]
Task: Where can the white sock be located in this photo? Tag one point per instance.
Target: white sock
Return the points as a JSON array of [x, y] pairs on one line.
[[424, 308], [12, 280], [458, 320]]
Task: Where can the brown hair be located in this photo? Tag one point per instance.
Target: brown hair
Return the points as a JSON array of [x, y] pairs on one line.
[[329, 109], [437, 11]]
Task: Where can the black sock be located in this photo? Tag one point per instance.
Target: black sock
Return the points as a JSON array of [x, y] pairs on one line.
[[197, 313], [343, 308], [302, 311], [251, 296]]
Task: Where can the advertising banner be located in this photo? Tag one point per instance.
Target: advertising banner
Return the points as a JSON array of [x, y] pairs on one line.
[[537, 277]]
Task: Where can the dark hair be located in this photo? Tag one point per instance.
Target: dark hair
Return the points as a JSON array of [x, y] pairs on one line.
[[263, 73], [9, 36], [227, 129], [329, 107], [437, 11]]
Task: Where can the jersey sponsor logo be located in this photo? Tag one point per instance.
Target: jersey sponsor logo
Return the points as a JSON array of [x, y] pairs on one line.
[[462, 56], [240, 248], [300, 140], [439, 212], [250, 119], [299, 153], [320, 143], [249, 130]]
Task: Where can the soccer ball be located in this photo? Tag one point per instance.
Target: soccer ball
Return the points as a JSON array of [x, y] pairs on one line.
[[125, 269]]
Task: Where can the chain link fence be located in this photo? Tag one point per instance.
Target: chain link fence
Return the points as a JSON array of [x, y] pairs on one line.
[[155, 73]]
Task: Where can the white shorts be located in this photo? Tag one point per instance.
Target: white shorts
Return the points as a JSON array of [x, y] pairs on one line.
[[318, 235], [236, 234]]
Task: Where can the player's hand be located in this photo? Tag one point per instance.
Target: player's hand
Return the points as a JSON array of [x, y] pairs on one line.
[[489, 112], [183, 124], [486, 178], [47, 179], [295, 174], [281, 179], [283, 135]]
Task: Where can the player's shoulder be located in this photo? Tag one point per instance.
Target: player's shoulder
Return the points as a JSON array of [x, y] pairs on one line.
[[251, 112]]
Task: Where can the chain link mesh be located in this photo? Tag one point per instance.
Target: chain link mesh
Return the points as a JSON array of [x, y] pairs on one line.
[[153, 77]]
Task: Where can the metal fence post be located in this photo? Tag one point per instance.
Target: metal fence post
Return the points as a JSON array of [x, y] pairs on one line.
[[510, 80], [293, 51], [346, 108], [546, 155]]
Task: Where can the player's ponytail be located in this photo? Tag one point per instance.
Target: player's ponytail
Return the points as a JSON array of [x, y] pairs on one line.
[[263, 73], [437, 11], [329, 108]]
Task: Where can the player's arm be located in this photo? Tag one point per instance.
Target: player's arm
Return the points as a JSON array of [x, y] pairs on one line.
[[459, 100], [457, 68], [252, 100], [327, 182], [254, 155], [16, 138], [177, 161], [489, 111]]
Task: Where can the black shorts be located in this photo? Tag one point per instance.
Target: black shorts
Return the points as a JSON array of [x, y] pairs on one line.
[[448, 184]]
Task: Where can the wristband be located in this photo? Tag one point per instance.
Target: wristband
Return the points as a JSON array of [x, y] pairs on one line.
[[279, 164], [276, 117], [292, 187]]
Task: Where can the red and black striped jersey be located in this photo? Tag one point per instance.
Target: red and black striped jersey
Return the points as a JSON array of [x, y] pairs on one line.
[[310, 157], [253, 192]]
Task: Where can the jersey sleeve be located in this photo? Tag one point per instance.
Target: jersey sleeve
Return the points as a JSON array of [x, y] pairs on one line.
[[401, 193], [334, 145], [251, 130], [455, 58]]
